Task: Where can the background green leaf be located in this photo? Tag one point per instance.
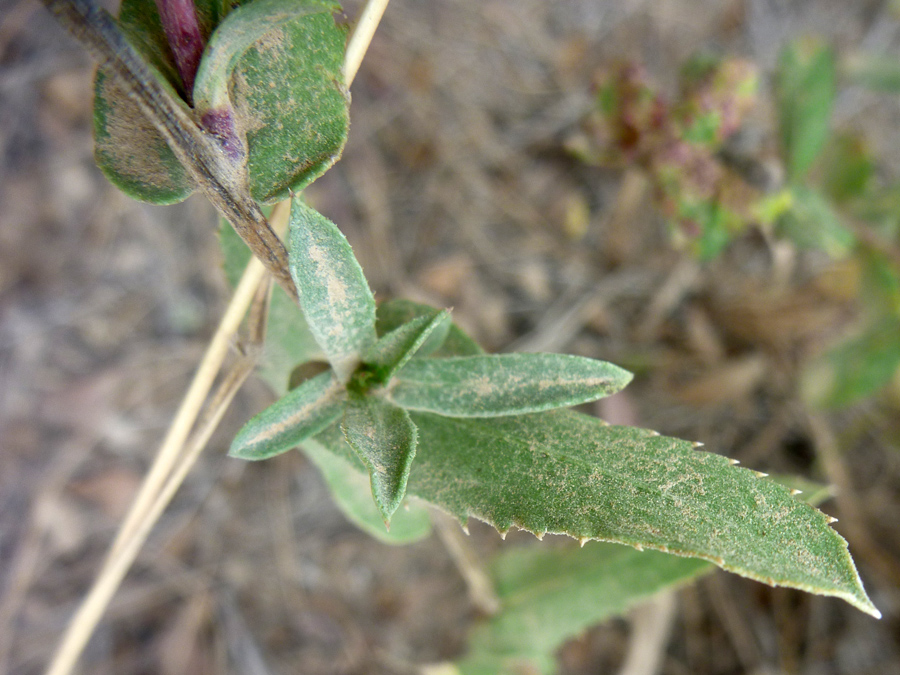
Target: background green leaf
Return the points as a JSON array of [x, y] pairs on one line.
[[811, 222], [334, 294], [385, 439], [806, 91], [352, 492], [548, 595], [503, 384], [856, 368]]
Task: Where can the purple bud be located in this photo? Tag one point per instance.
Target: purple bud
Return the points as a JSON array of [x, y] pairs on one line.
[[182, 28]]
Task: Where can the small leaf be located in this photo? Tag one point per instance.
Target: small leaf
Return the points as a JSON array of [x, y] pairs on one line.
[[806, 91], [350, 487], [301, 414], [288, 339], [446, 340], [392, 351], [503, 384], [290, 98], [384, 438], [334, 295], [128, 149]]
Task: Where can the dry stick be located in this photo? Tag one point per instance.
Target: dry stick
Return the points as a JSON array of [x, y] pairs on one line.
[[96, 602], [199, 389], [143, 514]]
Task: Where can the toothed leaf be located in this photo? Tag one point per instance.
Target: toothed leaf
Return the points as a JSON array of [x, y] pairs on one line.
[[503, 384], [302, 413], [566, 473], [393, 350], [334, 295], [540, 611], [385, 439]]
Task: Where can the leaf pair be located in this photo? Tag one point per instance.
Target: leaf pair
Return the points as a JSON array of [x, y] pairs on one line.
[[272, 70], [374, 381]]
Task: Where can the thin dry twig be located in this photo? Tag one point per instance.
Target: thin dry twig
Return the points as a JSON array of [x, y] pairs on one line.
[[221, 180], [175, 459]]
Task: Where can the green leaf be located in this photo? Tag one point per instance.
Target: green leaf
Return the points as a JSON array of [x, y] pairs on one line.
[[384, 438], [562, 472], [301, 414], [129, 150], [849, 168], [243, 28], [446, 340], [856, 368], [288, 339], [811, 222], [291, 100], [806, 91], [282, 62], [394, 350], [334, 295], [350, 486], [548, 595], [503, 384]]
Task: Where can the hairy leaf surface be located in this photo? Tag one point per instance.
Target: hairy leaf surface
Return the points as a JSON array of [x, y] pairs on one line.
[[334, 294], [301, 414], [384, 438], [562, 472], [288, 92], [503, 384], [282, 62], [288, 340], [395, 349], [549, 594]]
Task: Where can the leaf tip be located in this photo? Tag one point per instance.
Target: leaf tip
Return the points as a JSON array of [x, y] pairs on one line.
[[697, 444], [583, 540]]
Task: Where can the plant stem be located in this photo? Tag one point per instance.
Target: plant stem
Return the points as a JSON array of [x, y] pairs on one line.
[[179, 20], [167, 473], [215, 173]]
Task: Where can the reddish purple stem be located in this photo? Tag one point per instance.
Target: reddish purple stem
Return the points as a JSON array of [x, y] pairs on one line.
[[179, 20]]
